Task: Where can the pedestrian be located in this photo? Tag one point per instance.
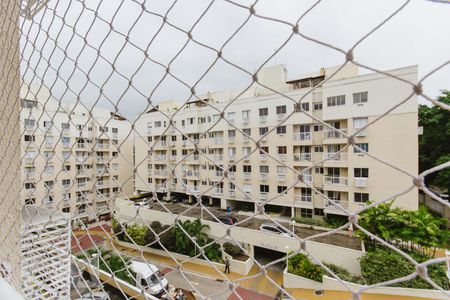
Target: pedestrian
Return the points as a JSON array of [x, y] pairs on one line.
[[227, 266], [228, 211]]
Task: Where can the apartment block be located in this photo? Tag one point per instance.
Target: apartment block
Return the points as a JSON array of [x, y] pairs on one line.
[[74, 160], [239, 148]]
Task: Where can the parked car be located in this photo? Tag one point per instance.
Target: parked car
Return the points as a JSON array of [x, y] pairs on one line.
[[149, 278], [94, 296], [274, 228], [227, 220], [141, 204]]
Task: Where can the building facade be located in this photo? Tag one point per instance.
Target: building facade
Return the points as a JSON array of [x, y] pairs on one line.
[[74, 160], [256, 150]]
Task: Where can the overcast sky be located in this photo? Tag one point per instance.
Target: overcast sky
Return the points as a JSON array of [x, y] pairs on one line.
[[416, 35]]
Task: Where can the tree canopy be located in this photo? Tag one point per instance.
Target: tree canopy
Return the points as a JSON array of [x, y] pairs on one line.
[[434, 142]]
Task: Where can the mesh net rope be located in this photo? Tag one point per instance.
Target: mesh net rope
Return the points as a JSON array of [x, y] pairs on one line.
[[38, 49]]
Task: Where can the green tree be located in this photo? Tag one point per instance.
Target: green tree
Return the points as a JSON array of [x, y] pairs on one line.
[[433, 143]]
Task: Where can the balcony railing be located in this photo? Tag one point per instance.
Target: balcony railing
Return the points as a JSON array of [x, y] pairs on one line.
[[231, 156], [263, 119], [161, 144], [218, 157], [361, 181], [81, 145], [232, 175], [219, 174], [281, 177], [264, 176], [282, 157], [247, 175], [333, 134], [303, 198], [160, 157], [307, 178], [263, 195], [302, 136], [193, 173], [231, 139], [160, 173], [173, 158], [335, 180], [263, 156], [218, 191], [329, 206], [302, 156], [102, 146], [334, 156]]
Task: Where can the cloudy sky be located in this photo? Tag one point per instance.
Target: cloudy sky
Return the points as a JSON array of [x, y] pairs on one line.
[[418, 34]]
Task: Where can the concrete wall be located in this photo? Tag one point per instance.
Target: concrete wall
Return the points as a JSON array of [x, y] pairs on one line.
[[344, 257], [236, 266], [10, 214]]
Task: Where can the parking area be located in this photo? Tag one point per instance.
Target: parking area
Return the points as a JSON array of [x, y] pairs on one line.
[[194, 211]]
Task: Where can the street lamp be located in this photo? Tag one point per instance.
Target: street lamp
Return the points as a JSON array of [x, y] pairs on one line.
[[293, 227], [195, 245]]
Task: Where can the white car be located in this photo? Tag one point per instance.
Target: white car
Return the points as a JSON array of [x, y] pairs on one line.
[[94, 296], [274, 228], [149, 278], [141, 204]]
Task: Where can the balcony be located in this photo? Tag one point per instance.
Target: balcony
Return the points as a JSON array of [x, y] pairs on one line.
[[232, 157], [281, 157], [307, 178], [173, 158], [245, 120], [102, 146], [263, 195], [302, 157], [218, 141], [100, 170], [30, 128], [335, 180], [81, 146], [160, 173], [30, 174], [219, 174], [81, 172], [161, 144], [66, 186], [361, 182], [281, 177], [264, 176], [102, 196], [218, 191], [303, 198], [232, 175], [247, 175], [81, 158], [100, 184], [192, 173], [82, 184], [335, 156], [218, 157], [232, 193], [281, 117], [172, 143], [331, 207], [160, 157], [333, 134], [192, 189], [302, 136]]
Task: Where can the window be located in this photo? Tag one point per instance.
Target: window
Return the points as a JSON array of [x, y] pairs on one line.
[[183, 123], [318, 170], [319, 212], [190, 121], [232, 152], [281, 129], [281, 110], [215, 117], [336, 100], [201, 120], [149, 138], [29, 138], [318, 127], [66, 182], [28, 103], [116, 166], [264, 169], [157, 124], [264, 150], [263, 130], [360, 122], [29, 185], [361, 172], [174, 138], [246, 151], [282, 149], [305, 106], [263, 112], [247, 168], [231, 116], [306, 213], [363, 146], [29, 123], [65, 140], [281, 170], [65, 126], [231, 133], [317, 106], [115, 130], [231, 186], [318, 149], [263, 188], [282, 189], [360, 97], [361, 197], [246, 115], [247, 131], [48, 124]]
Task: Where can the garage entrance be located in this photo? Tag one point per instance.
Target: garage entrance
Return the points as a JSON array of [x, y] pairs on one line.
[[266, 256]]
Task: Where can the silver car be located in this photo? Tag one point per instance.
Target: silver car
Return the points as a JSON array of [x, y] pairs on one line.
[[274, 228]]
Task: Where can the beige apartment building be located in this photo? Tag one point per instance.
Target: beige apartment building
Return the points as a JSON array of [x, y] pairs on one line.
[[218, 158], [70, 156]]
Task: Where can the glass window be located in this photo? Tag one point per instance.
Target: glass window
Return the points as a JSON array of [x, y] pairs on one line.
[[264, 169], [247, 168], [306, 212], [281, 129], [317, 106], [336, 100], [361, 197], [361, 97], [263, 130], [362, 172], [246, 115], [360, 122], [281, 110], [264, 111], [363, 146]]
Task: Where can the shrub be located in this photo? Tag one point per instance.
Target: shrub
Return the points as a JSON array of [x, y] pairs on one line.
[[344, 274], [231, 249], [335, 221], [136, 233], [300, 265], [150, 237], [382, 265]]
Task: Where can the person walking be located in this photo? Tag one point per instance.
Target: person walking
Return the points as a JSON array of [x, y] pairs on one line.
[[227, 266]]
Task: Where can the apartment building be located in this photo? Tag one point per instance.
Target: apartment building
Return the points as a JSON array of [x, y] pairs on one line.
[[74, 160], [255, 151]]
